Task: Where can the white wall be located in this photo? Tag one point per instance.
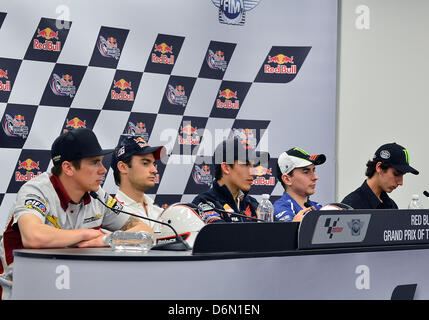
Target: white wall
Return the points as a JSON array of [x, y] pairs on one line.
[[383, 90]]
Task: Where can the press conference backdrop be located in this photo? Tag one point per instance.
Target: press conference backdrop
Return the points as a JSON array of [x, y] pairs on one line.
[[184, 74]]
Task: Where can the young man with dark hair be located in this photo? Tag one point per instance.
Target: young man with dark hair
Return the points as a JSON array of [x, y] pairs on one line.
[[134, 170], [296, 173], [384, 174], [56, 210], [233, 180]]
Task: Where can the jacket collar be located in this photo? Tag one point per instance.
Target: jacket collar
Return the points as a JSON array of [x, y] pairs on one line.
[[63, 195]]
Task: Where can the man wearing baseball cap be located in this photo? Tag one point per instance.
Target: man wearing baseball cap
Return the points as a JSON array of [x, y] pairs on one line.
[[55, 209], [134, 170], [233, 163], [385, 173], [296, 173]]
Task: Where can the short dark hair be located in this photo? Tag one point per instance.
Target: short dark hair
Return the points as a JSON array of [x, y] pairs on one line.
[[116, 174], [370, 167], [58, 169], [280, 174], [218, 170]]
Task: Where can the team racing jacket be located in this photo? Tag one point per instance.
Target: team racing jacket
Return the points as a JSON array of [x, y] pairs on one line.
[[286, 208], [219, 197]]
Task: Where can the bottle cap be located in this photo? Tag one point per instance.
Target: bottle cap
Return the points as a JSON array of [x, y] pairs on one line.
[[265, 196]]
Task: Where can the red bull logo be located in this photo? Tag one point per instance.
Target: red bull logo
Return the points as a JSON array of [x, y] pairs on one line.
[[48, 34], [141, 142], [163, 48], [192, 137], [281, 61], [66, 80], [75, 123], [188, 130], [227, 95], [246, 137], [219, 55], [122, 85], [4, 86], [18, 120], [29, 166], [260, 180], [3, 74], [111, 42], [202, 175]]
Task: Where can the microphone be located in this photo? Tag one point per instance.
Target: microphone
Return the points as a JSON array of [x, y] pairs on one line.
[[426, 193], [166, 246], [308, 205], [227, 212]]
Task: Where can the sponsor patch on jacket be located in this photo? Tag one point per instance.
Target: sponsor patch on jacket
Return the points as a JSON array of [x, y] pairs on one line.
[[210, 216], [36, 205], [113, 204], [92, 219]]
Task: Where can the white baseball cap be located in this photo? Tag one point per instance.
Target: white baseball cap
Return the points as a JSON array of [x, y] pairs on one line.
[[298, 158]]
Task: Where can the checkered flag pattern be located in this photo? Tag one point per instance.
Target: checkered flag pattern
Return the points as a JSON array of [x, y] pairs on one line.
[[112, 81]]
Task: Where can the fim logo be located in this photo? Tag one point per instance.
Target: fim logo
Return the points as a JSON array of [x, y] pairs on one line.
[[108, 47], [332, 227], [216, 60], [4, 86], [280, 64], [234, 11], [48, 34], [202, 175], [74, 123], [122, 85], [29, 166], [62, 86], [355, 226], [176, 96], [163, 48], [15, 127]]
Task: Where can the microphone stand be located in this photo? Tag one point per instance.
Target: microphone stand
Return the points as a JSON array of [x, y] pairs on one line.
[[164, 246]]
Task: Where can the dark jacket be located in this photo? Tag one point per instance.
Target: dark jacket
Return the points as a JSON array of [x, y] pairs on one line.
[[364, 198], [219, 197]]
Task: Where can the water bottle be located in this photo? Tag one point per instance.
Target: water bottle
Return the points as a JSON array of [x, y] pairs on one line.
[[415, 203], [141, 241], [266, 209]]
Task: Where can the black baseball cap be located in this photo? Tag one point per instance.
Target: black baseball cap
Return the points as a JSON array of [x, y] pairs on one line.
[[130, 145], [233, 149], [396, 156], [76, 144]]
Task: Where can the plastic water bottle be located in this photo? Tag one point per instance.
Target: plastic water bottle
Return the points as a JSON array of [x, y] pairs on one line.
[[141, 241], [415, 202], [266, 209]]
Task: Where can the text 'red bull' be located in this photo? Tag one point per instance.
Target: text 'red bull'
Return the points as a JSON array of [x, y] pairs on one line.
[[163, 59], [48, 45]]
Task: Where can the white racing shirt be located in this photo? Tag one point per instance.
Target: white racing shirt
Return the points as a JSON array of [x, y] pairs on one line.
[[132, 206], [46, 198]]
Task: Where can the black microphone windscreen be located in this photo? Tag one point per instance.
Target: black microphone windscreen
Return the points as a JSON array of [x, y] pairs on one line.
[[307, 205], [426, 193]]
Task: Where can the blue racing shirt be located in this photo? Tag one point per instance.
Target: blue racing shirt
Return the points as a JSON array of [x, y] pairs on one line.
[[286, 208]]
